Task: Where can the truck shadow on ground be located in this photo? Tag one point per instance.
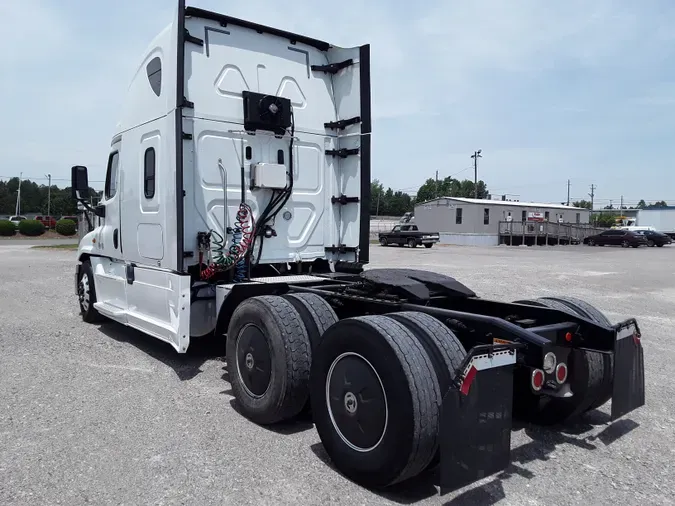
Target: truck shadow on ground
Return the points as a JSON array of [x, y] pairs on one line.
[[186, 366], [301, 423], [544, 441]]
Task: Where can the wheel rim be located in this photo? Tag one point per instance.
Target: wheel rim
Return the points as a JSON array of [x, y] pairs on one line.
[[625, 244], [650, 243], [411, 243], [383, 241], [254, 361], [356, 402], [84, 293]]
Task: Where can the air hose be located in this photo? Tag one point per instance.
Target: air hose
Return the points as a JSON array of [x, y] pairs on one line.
[[224, 258]]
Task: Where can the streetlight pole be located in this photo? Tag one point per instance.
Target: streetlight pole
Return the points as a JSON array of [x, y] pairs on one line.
[[49, 199], [476, 155]]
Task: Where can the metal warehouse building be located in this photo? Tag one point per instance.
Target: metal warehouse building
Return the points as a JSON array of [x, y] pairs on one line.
[[480, 222]]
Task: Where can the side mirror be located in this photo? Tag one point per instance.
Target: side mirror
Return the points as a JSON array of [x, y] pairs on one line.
[[80, 182]]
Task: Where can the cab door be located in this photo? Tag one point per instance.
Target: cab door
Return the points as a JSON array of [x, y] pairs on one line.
[[108, 266], [110, 231]]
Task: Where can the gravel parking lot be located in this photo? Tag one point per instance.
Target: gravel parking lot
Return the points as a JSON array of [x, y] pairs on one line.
[[105, 415]]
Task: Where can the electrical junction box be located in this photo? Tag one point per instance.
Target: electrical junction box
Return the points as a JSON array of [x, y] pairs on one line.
[[269, 175]]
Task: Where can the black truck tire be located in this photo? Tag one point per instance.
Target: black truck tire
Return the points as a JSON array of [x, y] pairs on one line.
[[585, 309], [87, 294], [441, 344], [586, 379], [316, 313], [376, 365], [428, 245], [268, 359], [412, 243]]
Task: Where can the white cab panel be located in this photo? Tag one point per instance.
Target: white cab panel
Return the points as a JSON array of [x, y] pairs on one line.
[[159, 304]]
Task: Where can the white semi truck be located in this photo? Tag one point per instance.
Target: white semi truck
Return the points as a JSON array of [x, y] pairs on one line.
[[236, 207]]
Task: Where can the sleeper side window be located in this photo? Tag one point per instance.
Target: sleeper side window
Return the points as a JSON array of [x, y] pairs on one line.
[[149, 173], [111, 175], [154, 70]]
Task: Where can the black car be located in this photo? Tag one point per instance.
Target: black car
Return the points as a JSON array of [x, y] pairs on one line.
[[410, 235], [617, 237], [655, 238]]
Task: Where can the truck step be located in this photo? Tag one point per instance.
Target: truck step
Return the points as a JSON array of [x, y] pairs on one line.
[[109, 310]]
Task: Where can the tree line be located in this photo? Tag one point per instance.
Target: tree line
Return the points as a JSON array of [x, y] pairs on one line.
[[660, 204], [35, 198], [609, 219], [396, 203]]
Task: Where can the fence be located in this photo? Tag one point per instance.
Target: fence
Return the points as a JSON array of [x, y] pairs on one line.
[[516, 233]]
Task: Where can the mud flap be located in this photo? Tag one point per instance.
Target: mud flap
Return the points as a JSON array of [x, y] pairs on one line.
[[628, 383], [476, 418]]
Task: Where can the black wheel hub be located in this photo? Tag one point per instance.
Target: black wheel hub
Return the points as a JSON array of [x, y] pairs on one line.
[[356, 402], [254, 361]]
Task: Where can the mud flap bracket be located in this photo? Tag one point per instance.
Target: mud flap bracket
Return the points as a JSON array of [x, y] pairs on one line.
[[476, 417], [628, 383]]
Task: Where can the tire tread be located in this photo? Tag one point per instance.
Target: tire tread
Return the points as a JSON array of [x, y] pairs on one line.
[[424, 390]]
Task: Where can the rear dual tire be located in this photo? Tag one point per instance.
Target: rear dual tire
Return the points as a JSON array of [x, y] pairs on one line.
[[376, 390], [375, 383], [268, 354]]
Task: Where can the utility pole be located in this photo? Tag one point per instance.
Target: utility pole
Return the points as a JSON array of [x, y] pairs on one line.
[[476, 155], [568, 192], [592, 194], [49, 197], [18, 195], [436, 190]]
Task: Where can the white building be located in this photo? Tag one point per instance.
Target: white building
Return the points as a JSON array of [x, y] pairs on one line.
[[477, 221]]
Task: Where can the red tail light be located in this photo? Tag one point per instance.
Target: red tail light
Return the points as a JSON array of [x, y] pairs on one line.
[[537, 379], [561, 373]]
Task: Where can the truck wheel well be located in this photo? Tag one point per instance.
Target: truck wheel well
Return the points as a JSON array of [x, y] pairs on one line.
[[239, 294]]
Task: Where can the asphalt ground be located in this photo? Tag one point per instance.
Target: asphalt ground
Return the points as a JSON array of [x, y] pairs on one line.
[[101, 414]]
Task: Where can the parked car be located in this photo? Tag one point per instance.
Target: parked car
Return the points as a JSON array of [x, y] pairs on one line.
[[655, 238], [617, 237], [16, 219], [47, 221], [410, 235], [72, 218]]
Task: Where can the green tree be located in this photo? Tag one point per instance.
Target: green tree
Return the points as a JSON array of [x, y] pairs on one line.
[[582, 203], [450, 187], [34, 198], [641, 205], [603, 219]]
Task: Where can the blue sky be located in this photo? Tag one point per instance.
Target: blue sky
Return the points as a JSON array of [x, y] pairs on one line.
[[548, 90]]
